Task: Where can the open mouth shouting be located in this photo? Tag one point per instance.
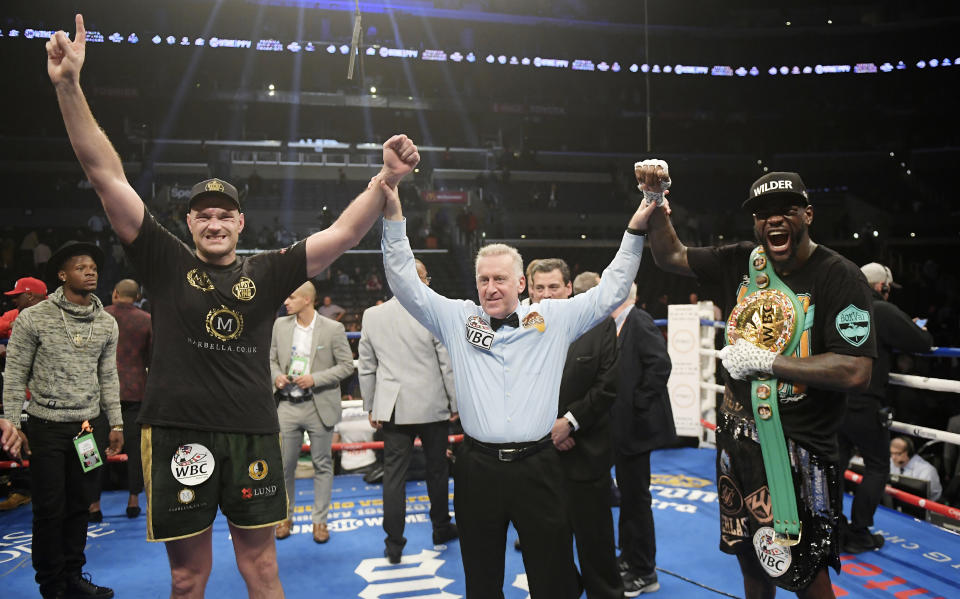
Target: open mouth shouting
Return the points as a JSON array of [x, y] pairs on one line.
[[778, 242]]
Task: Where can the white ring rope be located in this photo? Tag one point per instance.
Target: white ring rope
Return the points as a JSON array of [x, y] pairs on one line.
[[926, 433], [924, 382]]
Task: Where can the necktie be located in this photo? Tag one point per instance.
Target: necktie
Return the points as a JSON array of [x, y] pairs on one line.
[[512, 321]]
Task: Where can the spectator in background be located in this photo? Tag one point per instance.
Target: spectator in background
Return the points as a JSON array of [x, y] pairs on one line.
[[408, 391], [330, 310], [41, 255], [27, 292], [309, 356], [864, 424], [581, 432], [642, 421], [373, 282], [355, 427], [905, 462], [133, 359]]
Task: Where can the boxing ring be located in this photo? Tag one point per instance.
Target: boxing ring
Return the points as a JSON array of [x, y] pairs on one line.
[[917, 560]]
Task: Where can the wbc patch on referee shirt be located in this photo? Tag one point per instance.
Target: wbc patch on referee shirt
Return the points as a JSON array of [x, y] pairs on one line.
[[479, 333], [534, 320]]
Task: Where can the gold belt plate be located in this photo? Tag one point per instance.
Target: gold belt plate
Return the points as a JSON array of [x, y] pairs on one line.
[[765, 318]]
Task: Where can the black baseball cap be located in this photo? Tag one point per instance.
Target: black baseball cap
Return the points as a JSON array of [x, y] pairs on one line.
[[67, 251], [777, 185], [214, 187]]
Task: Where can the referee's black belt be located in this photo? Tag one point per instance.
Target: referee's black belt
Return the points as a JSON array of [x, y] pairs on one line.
[[510, 452]]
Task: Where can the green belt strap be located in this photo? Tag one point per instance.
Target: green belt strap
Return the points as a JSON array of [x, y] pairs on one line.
[[764, 400]]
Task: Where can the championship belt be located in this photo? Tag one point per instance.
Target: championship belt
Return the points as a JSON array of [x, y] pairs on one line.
[[771, 317]]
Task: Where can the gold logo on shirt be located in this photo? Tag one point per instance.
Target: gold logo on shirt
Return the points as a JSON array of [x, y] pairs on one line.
[[224, 324], [199, 279], [244, 289], [534, 320]]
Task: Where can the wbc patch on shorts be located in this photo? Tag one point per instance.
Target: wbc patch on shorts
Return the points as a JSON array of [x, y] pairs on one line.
[[479, 334]]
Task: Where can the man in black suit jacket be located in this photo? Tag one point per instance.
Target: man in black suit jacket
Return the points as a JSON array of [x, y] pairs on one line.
[[642, 422], [582, 434]]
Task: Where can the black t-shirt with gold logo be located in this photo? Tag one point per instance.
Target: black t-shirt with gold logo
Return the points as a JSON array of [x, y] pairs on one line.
[[211, 332], [831, 289]]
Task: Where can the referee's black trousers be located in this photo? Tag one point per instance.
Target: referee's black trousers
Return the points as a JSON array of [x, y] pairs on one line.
[[488, 495]]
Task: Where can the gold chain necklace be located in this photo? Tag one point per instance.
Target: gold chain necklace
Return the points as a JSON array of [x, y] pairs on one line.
[[76, 338]]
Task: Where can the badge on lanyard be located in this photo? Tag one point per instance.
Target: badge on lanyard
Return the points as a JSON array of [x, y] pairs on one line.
[[298, 366], [479, 333], [87, 448]]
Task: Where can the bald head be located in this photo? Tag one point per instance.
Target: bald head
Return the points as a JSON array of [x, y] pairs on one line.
[[301, 302], [308, 291], [422, 272], [126, 291]]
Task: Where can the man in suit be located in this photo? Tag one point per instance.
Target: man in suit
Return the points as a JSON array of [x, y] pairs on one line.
[[581, 432], [643, 421], [408, 391], [309, 356]]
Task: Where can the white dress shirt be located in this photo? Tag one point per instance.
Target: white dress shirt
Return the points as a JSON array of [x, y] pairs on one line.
[[919, 468], [509, 392], [302, 348]]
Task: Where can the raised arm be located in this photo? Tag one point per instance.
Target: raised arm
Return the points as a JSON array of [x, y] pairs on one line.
[[669, 254], [400, 156], [99, 160]]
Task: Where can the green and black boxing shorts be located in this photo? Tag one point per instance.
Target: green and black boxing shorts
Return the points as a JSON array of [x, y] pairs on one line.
[[746, 510], [189, 473]]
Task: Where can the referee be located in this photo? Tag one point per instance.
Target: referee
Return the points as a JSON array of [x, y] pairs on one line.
[[507, 361]]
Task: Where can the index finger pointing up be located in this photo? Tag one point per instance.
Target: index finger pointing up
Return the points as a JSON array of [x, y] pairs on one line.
[[81, 36]]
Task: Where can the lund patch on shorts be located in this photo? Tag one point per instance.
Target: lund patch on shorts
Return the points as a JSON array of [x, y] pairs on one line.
[[731, 502], [774, 558], [759, 505], [853, 324], [192, 464]]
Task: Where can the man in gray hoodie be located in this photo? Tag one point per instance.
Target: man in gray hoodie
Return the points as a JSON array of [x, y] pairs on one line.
[[64, 350]]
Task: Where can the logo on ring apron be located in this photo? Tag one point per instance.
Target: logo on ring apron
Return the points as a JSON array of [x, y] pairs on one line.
[[192, 464], [774, 558]]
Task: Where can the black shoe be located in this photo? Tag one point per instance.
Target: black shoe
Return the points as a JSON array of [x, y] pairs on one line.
[[862, 543], [393, 556], [96, 516], [133, 511], [636, 585], [81, 586], [447, 533]]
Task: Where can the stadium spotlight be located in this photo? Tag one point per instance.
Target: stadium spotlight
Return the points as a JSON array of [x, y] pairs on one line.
[[856, 236], [373, 89]]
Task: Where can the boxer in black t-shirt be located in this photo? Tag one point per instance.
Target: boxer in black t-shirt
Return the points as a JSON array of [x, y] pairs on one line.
[[210, 422], [834, 355]]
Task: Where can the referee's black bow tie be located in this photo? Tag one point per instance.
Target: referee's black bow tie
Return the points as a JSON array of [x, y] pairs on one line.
[[511, 321]]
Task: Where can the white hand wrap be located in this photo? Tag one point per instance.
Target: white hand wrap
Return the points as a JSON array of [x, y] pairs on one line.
[[655, 197], [744, 360]]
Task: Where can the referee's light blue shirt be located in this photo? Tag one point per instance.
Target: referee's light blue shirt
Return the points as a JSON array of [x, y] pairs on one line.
[[509, 392]]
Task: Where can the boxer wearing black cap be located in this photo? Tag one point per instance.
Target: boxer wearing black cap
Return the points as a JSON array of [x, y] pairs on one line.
[[790, 279], [210, 435]]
